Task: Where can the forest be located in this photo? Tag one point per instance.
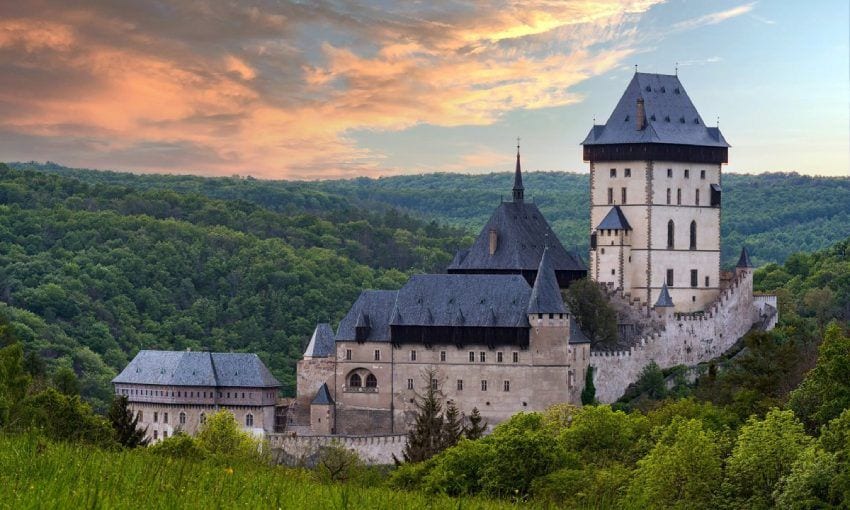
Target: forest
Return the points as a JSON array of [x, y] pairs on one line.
[[775, 214]]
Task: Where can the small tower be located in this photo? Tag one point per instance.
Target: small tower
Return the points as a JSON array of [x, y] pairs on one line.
[[519, 190], [664, 306], [744, 264], [612, 242], [322, 412], [548, 315]]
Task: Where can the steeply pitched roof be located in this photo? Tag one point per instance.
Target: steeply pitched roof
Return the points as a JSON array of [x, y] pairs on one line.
[[374, 307], [546, 294], [577, 336], [469, 300], [614, 220], [190, 368], [323, 397], [744, 260], [321, 343], [522, 234], [671, 117], [664, 299], [518, 189]]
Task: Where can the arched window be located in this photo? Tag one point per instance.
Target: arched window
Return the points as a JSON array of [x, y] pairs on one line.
[[249, 420], [182, 418], [693, 235], [670, 234], [354, 381], [371, 381]]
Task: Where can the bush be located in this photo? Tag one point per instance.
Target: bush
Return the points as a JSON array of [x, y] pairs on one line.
[[600, 435], [590, 487], [458, 470], [222, 436], [338, 464], [179, 446]]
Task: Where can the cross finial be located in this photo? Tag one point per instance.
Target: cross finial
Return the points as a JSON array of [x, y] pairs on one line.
[[718, 121], [594, 120], [517, 145], [677, 69], [636, 68]]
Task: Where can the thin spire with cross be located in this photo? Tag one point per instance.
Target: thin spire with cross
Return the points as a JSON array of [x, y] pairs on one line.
[[519, 190], [676, 69], [636, 68]]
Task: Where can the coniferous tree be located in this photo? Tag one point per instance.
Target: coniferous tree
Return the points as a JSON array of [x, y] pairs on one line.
[[588, 394], [125, 423], [452, 425], [425, 439], [476, 427]]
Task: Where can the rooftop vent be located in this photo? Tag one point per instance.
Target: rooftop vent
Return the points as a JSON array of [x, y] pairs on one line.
[[696, 121], [648, 88], [653, 116], [682, 120], [667, 118], [627, 118], [663, 90], [676, 90]]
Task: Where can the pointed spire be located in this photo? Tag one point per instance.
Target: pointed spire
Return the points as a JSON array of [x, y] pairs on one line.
[[546, 293], [664, 299], [323, 397], [519, 190], [321, 343], [744, 261]]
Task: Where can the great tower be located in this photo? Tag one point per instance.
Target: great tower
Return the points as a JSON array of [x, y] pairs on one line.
[[655, 195]]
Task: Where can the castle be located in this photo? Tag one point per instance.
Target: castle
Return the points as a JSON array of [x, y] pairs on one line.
[[494, 332]]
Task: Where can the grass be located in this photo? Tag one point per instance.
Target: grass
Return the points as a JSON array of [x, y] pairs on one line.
[[35, 473]]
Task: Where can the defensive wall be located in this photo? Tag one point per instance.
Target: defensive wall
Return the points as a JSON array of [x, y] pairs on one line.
[[295, 450], [686, 339]]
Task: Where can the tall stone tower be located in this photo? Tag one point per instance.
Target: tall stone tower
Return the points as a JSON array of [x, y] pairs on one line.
[[655, 175]]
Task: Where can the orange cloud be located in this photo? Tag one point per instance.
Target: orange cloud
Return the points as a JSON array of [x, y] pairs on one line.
[[188, 91]]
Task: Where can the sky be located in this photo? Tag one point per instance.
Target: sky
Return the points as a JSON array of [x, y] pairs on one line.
[[339, 89]]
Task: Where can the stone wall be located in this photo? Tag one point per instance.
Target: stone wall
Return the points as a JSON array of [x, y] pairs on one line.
[[685, 339], [296, 450]]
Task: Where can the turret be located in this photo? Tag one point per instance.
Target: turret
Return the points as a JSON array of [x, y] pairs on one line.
[[744, 264], [664, 306], [322, 412]]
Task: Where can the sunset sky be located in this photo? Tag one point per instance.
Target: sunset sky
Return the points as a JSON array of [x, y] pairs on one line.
[[318, 89]]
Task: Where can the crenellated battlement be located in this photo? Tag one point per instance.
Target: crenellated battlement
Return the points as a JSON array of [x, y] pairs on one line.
[[293, 449]]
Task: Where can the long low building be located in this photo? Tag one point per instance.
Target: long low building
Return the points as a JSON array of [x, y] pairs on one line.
[[175, 391]]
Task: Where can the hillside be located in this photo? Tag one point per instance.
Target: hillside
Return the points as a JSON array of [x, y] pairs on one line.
[[91, 273], [774, 214]]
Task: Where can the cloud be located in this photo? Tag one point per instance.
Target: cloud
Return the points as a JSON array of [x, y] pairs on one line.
[[277, 89], [714, 18]]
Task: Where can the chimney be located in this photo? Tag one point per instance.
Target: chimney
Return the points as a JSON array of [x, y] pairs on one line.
[[640, 117], [494, 241]]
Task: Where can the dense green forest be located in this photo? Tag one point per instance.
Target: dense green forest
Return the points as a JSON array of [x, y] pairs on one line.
[[91, 273], [774, 214]]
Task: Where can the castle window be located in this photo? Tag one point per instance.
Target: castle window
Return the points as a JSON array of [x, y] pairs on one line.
[[155, 416], [434, 385], [499, 357], [164, 417], [182, 418], [140, 416], [410, 384], [442, 355], [203, 418], [687, 174], [623, 193], [243, 394], [228, 394], [610, 195], [694, 278], [483, 356], [603, 251], [516, 357], [613, 271], [377, 355], [460, 385], [696, 200], [471, 357], [371, 381], [702, 174], [165, 434], [412, 355], [679, 196], [669, 277], [155, 435], [668, 196], [669, 172], [551, 315], [693, 235], [507, 386], [706, 281], [249, 420], [628, 172], [354, 381], [613, 172], [483, 385], [670, 234], [347, 356]]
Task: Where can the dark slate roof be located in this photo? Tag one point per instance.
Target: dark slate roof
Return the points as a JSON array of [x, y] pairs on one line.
[[614, 220], [522, 232], [546, 294], [664, 299], [471, 300], [744, 260], [671, 117], [577, 336], [374, 307], [459, 256], [323, 397], [191, 368], [321, 343]]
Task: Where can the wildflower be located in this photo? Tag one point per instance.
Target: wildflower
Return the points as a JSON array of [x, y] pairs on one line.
[[229, 470]]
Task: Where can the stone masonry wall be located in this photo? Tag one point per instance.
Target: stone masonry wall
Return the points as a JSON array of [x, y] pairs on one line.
[[304, 450], [686, 339]]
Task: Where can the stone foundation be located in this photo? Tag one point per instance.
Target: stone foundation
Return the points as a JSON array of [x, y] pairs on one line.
[[294, 450]]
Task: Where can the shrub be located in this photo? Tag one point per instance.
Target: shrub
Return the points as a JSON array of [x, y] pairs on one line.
[[179, 446]]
